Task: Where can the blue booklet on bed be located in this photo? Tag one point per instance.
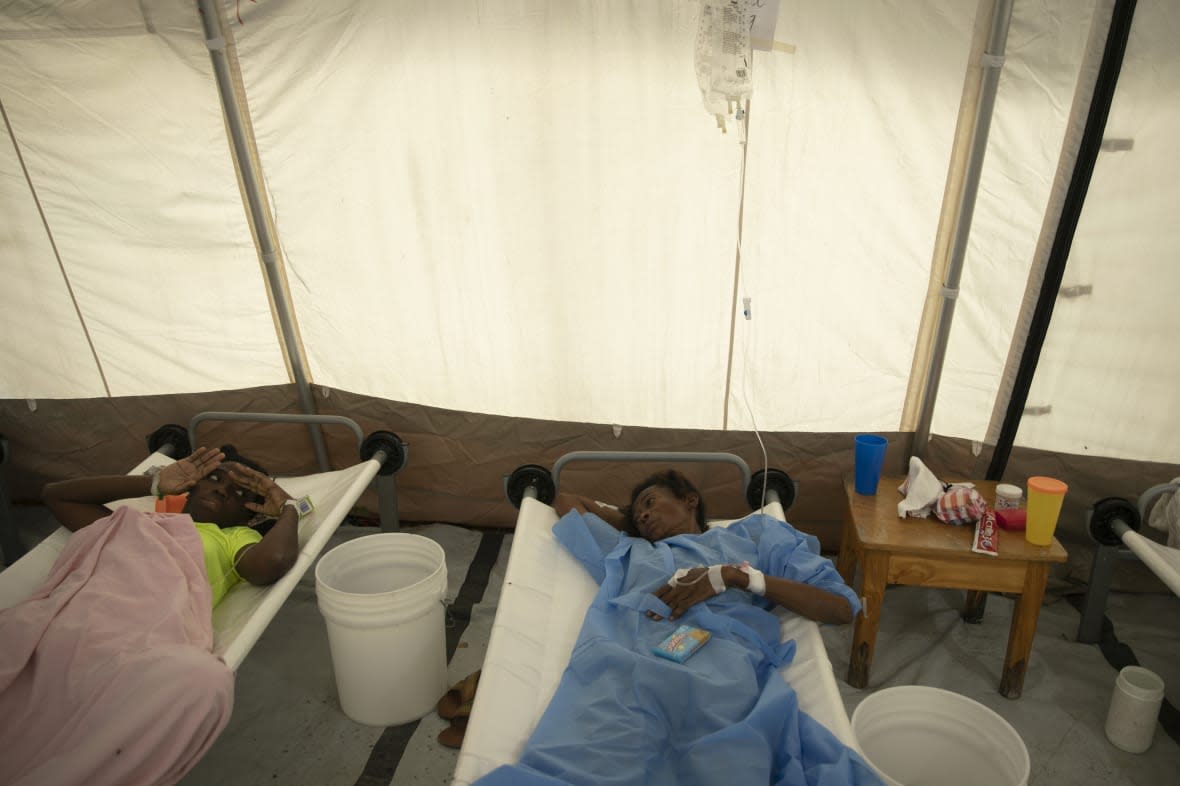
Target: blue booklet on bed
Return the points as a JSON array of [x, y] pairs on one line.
[[681, 645]]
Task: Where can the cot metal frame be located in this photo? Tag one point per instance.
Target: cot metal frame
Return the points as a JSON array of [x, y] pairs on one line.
[[384, 446], [536, 482], [1108, 552], [176, 442]]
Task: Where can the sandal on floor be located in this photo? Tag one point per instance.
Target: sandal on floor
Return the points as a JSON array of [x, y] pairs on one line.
[[452, 736], [457, 701]]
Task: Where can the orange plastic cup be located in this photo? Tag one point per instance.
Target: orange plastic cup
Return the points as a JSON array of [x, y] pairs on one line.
[[1045, 496]]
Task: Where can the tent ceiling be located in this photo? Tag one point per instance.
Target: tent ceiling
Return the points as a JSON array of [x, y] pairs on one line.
[[523, 209]]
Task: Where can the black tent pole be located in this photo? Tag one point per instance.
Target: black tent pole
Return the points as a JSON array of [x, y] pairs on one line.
[[1075, 198]]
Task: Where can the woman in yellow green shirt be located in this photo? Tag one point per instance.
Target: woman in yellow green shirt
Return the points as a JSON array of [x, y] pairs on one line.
[[248, 525]]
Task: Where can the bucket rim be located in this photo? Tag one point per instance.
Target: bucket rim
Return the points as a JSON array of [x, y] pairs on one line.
[[344, 550], [1021, 758]]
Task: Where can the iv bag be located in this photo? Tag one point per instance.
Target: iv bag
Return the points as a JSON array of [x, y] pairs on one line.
[[723, 57]]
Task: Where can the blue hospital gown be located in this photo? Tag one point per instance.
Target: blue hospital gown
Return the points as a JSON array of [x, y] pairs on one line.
[[621, 715]]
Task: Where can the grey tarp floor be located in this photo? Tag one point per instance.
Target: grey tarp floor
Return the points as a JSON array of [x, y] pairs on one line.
[[287, 726]]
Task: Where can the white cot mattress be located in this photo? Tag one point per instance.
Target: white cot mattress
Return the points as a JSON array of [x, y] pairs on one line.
[[544, 599]]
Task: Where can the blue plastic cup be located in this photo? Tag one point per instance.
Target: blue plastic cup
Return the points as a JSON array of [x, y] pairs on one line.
[[870, 455]]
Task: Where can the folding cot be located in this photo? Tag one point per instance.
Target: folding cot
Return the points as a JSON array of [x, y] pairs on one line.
[[242, 616], [544, 598]]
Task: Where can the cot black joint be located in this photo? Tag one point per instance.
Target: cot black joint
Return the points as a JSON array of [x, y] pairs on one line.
[[170, 434], [526, 475], [396, 451], [1105, 513], [777, 480]]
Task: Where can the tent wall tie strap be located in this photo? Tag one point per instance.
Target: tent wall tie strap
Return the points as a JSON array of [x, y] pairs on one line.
[[949, 293], [988, 60]]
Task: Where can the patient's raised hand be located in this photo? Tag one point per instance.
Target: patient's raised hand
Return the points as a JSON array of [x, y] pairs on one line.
[[262, 485], [182, 475]]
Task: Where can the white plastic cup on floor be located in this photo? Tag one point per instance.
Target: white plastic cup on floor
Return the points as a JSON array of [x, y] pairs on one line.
[[1134, 709], [381, 597]]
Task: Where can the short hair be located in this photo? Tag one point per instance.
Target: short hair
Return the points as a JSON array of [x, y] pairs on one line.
[[232, 454], [673, 481]]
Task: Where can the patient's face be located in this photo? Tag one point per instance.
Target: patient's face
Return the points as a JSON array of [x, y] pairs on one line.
[[218, 500], [659, 514]]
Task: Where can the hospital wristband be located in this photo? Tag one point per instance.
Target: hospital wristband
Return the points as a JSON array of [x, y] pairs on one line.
[[155, 473], [301, 506]]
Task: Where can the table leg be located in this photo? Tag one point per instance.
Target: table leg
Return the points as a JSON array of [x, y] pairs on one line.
[[1024, 627], [846, 561], [874, 571], [974, 607]]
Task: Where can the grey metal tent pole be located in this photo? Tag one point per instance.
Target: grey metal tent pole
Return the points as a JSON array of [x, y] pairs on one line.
[[992, 61], [267, 247]]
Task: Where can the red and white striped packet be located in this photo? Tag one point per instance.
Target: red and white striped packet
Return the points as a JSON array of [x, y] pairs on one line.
[[960, 505]]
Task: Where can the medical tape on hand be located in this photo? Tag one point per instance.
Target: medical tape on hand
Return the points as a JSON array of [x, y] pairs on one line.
[[716, 580], [757, 580], [714, 574]]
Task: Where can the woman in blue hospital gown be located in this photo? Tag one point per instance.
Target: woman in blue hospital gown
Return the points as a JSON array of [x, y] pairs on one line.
[[622, 715]]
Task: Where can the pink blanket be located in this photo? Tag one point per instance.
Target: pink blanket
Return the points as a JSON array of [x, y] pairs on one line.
[[106, 671]]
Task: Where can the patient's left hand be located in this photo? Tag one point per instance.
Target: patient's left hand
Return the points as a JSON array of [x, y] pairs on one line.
[[694, 587], [255, 481]]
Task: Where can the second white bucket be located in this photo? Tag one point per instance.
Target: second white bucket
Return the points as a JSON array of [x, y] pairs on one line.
[[919, 736], [382, 600]]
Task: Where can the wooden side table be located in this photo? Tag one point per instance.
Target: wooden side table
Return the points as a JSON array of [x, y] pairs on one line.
[[928, 553]]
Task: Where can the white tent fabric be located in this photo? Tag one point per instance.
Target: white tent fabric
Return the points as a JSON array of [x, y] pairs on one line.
[[1036, 90], [121, 133], [1110, 370], [522, 208], [847, 134], [526, 195]]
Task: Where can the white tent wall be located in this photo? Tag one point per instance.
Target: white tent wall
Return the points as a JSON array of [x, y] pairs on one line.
[[1109, 369], [513, 182], [508, 225], [835, 274], [1045, 47], [121, 134]]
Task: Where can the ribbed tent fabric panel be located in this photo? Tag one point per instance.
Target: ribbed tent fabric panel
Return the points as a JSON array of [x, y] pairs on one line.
[[1109, 365], [142, 202], [1046, 42], [834, 265], [537, 212], [51, 352]]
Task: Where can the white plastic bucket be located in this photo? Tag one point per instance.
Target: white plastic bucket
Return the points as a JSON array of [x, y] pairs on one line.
[[1134, 709], [381, 597], [919, 736]]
